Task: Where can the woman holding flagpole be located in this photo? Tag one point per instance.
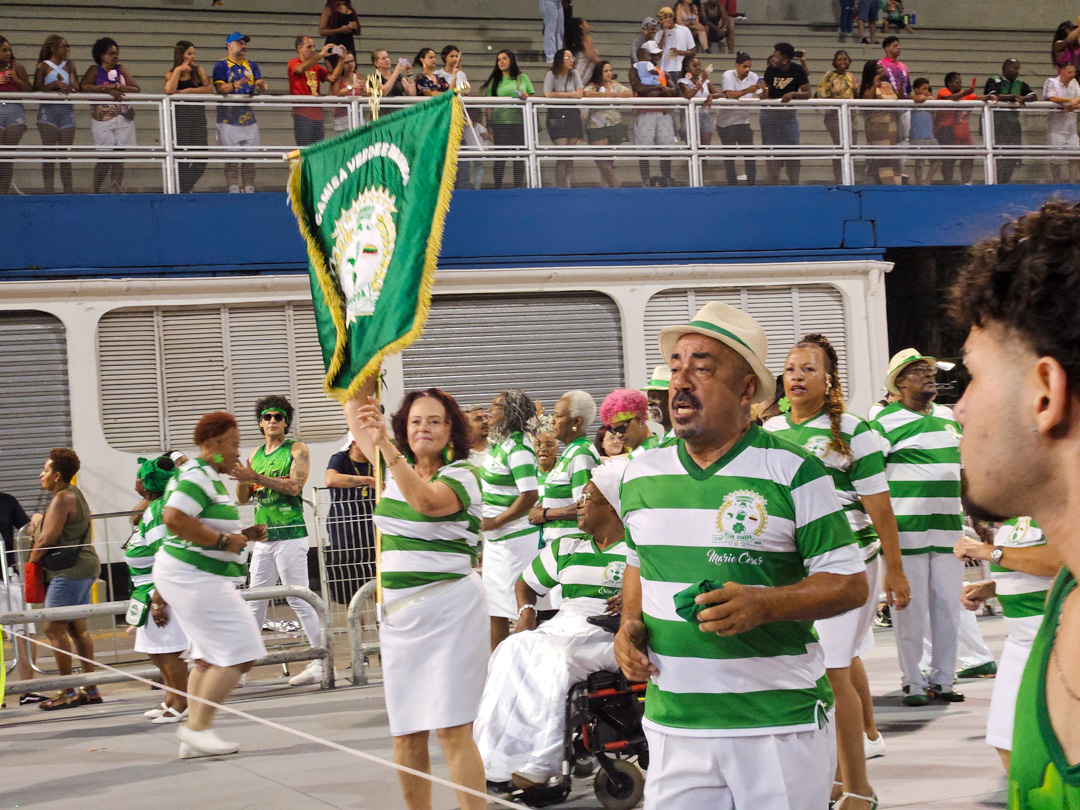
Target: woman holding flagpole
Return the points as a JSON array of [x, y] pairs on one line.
[[434, 628]]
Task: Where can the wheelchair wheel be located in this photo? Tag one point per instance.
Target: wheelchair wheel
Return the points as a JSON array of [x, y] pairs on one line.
[[626, 792]]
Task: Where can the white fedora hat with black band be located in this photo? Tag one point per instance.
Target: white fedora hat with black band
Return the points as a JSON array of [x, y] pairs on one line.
[[901, 360], [733, 328]]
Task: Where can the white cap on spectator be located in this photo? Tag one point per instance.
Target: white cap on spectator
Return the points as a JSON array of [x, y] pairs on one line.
[[650, 46]]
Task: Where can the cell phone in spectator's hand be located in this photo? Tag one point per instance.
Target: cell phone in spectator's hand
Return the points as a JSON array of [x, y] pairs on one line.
[[403, 62], [338, 49]]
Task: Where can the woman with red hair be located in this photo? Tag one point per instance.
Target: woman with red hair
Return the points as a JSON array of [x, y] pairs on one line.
[[202, 561]]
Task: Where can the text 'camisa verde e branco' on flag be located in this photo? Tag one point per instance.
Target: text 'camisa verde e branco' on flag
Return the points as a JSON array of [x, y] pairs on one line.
[[371, 206]]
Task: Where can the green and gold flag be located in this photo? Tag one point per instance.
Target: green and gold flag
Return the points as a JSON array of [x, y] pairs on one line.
[[371, 207]]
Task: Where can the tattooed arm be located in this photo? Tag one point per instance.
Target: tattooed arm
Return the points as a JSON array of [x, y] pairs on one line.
[[292, 485]]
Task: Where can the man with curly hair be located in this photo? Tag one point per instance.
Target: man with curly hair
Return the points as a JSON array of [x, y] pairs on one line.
[[1019, 297], [274, 476]]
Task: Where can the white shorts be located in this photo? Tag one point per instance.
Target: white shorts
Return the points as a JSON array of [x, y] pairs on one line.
[[13, 598], [843, 637], [504, 560], [156, 640], [999, 722], [654, 128], [212, 613], [767, 772], [237, 134], [118, 131]]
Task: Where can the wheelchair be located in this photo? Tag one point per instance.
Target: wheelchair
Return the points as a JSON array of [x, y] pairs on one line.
[[603, 734]]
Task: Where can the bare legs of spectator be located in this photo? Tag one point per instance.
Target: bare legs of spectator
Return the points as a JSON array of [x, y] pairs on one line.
[[792, 167], [61, 635], [665, 172], [702, 37], [113, 171], [862, 30], [832, 124], [849, 733], [9, 136], [564, 168], [51, 136], [462, 758], [174, 674], [866, 700], [236, 172], [606, 169]]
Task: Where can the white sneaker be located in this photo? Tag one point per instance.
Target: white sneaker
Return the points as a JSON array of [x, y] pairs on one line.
[[873, 748], [234, 189], [203, 743], [170, 716], [157, 711], [313, 673], [251, 189]]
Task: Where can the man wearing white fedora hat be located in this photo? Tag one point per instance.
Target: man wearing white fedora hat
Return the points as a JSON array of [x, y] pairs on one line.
[[656, 389], [737, 542], [921, 442]]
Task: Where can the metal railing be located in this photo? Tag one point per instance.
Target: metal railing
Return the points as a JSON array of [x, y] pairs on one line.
[[828, 142], [363, 632], [323, 652]]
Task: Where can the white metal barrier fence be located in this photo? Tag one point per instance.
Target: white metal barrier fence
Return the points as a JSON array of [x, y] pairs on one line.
[[170, 145]]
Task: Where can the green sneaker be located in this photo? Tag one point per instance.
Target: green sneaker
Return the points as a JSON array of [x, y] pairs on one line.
[[987, 670], [914, 698]]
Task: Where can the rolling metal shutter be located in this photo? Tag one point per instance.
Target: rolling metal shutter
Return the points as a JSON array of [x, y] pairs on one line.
[[475, 346], [37, 403], [162, 368], [786, 313]]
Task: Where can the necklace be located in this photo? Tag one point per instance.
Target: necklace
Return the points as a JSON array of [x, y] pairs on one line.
[[1061, 676]]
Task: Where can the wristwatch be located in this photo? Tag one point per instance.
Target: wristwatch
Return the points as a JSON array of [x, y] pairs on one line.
[[996, 554]]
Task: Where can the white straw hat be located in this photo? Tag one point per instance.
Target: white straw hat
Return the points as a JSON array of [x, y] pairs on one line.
[[901, 360]]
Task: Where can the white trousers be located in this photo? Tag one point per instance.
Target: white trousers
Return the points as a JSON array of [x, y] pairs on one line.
[[934, 612], [767, 772], [971, 650], [285, 560]]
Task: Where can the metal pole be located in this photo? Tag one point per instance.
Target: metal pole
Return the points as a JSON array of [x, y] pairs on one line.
[[693, 138], [532, 140], [989, 141], [166, 115], [357, 646], [847, 164]]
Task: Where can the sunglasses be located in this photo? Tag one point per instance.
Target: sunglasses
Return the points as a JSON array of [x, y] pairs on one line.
[[274, 417], [620, 430]]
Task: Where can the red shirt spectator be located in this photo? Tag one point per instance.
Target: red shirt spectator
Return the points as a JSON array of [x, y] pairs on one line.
[[306, 75]]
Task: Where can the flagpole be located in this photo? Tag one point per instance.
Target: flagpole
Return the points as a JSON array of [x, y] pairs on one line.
[[374, 86]]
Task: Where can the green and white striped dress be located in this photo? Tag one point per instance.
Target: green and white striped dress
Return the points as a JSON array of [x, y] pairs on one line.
[[1022, 596], [863, 473], [509, 472], [922, 463], [589, 576], [144, 544], [765, 514], [565, 482], [197, 490], [418, 550]]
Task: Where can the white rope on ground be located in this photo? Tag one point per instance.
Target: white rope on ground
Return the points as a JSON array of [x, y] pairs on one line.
[[496, 800]]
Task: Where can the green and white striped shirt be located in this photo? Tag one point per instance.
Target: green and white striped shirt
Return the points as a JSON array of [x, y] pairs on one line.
[[653, 442], [197, 490], [144, 544], [565, 482], [1022, 596], [765, 514], [589, 576], [419, 550], [509, 472], [863, 473], [922, 463]]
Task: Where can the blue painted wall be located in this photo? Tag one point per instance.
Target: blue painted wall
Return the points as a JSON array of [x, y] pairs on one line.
[[203, 234]]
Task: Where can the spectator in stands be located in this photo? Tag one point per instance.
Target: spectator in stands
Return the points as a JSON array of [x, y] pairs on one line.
[[340, 24], [652, 126], [881, 125], [1007, 88], [1066, 47], [895, 17], [12, 596], [695, 84], [348, 84], [306, 76], [866, 14], [953, 128], [428, 81], [733, 122], [111, 125], [64, 546], [605, 126], [507, 122], [847, 18], [784, 81], [676, 43], [563, 123], [351, 556], [687, 14], [608, 443], [837, 83], [648, 34], [553, 14], [397, 79], [451, 70], [719, 25], [236, 124], [578, 40], [13, 79], [896, 71], [1063, 89], [188, 78], [55, 73], [922, 132]]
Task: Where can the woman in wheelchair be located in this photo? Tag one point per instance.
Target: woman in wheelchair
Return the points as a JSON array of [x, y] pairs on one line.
[[520, 729]]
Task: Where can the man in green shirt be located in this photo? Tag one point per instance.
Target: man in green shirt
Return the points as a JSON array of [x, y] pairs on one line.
[[274, 477], [1019, 297]]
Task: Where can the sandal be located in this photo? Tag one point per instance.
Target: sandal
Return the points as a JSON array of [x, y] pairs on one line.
[[91, 695], [32, 697], [872, 798], [63, 700], [833, 802]]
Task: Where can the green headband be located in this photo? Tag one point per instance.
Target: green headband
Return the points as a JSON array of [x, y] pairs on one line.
[[152, 476], [265, 411]]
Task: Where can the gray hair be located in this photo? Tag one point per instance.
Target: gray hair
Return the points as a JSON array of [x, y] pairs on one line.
[[519, 414], [581, 404]]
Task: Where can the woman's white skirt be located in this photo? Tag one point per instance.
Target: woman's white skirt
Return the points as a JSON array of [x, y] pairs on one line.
[[844, 637], [212, 614], [504, 561], [434, 657], [1010, 671], [157, 640]]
